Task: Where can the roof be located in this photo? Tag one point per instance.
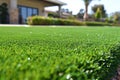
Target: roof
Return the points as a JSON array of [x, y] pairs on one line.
[[56, 2]]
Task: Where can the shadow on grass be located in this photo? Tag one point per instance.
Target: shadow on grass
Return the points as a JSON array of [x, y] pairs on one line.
[[112, 63]]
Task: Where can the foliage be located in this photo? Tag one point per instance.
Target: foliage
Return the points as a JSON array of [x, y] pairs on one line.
[[102, 9], [98, 14], [4, 13], [86, 2], [54, 15], [80, 14], [115, 17], [72, 17], [97, 24], [45, 53], [38, 20], [109, 20]]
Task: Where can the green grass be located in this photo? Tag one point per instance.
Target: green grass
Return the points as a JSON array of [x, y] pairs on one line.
[[58, 53]]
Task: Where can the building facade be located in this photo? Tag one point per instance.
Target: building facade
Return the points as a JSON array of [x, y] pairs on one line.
[[19, 10]]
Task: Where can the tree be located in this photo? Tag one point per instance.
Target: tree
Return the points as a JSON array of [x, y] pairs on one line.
[[86, 2], [102, 9], [115, 16], [80, 14], [3, 13], [98, 14]]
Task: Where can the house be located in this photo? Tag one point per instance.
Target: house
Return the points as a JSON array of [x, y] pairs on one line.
[[20, 9], [64, 13]]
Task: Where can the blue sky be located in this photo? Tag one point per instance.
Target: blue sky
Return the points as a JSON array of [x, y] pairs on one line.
[[76, 5]]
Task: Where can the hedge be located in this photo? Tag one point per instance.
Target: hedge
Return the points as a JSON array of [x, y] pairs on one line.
[[38, 20], [97, 24]]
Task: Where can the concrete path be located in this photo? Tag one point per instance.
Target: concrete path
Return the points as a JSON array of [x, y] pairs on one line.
[[14, 25]]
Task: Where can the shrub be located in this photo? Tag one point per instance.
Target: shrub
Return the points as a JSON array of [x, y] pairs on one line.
[[97, 24], [54, 15], [38, 20]]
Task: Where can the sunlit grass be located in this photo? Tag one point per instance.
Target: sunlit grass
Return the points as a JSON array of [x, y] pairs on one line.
[[56, 53]]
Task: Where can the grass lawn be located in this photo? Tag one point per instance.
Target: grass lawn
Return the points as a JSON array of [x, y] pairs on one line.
[[58, 53]]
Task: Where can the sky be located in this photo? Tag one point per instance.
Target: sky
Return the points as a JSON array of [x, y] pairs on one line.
[[76, 5]]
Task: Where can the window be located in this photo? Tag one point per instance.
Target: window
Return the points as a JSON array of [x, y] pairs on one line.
[[25, 12], [35, 12]]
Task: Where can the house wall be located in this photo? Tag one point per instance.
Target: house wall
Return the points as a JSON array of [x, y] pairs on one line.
[[30, 3], [4, 1], [34, 4], [13, 11]]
